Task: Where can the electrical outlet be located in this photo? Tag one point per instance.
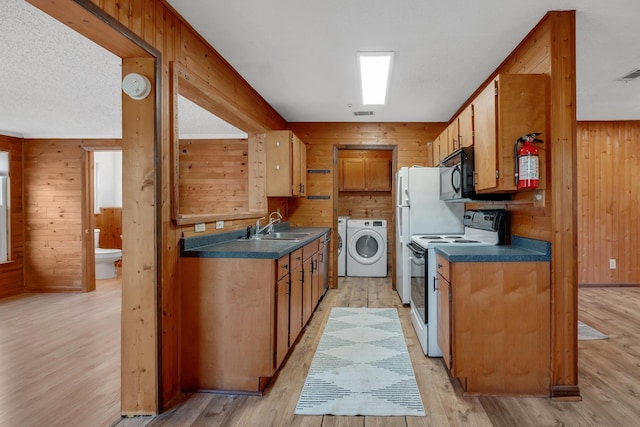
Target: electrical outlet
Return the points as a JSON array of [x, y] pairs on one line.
[[200, 227], [538, 199], [219, 225], [612, 263]]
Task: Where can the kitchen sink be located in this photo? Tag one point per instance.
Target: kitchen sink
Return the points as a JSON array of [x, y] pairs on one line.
[[281, 236]]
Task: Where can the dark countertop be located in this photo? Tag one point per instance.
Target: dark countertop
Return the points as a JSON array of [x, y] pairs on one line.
[[234, 244], [522, 249]]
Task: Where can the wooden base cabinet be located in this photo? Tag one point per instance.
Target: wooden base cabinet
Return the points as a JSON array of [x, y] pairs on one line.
[[227, 328], [240, 317], [310, 280], [295, 296], [282, 310], [494, 326]]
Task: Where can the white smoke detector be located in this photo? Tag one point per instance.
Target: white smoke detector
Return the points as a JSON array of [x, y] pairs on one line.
[[136, 86]]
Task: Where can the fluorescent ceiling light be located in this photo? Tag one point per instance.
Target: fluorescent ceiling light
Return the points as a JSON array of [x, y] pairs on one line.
[[375, 68]]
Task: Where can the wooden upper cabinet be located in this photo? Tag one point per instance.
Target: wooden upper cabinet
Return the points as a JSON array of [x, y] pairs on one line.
[[299, 161], [452, 137], [286, 164], [465, 127], [365, 174], [438, 152], [511, 106], [352, 174], [378, 175]]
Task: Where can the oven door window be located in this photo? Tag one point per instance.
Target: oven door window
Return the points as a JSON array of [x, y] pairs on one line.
[[418, 284]]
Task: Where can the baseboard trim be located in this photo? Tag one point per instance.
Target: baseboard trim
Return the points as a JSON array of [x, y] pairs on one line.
[[609, 285], [565, 393]]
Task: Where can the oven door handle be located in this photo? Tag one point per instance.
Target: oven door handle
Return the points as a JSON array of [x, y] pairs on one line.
[[417, 250]]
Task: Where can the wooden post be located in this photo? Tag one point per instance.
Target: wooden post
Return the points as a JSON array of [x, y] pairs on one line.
[[563, 149], [139, 249]]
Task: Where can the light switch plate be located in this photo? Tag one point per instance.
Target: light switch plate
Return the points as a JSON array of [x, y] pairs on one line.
[[219, 225], [200, 227]]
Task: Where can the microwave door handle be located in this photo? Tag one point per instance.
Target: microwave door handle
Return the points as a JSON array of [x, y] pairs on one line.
[[456, 171]]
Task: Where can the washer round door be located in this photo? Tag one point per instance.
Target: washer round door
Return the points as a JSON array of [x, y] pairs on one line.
[[366, 246], [339, 243]]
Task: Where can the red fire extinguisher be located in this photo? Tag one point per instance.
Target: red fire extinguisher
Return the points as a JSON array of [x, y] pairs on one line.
[[527, 162]]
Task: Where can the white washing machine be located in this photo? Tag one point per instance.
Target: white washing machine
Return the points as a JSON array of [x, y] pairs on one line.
[[367, 247], [342, 245]]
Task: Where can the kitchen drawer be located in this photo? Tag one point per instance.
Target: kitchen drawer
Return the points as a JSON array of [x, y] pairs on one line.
[[283, 266], [309, 249], [444, 267], [296, 259]]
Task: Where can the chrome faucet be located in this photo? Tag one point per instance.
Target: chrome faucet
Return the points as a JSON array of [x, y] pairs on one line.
[[274, 218]]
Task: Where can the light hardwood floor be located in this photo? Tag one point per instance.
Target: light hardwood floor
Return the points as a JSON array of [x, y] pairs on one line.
[[609, 377], [60, 358], [60, 366]]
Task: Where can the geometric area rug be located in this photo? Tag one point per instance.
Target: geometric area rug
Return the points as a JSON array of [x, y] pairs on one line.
[[586, 332], [361, 367]]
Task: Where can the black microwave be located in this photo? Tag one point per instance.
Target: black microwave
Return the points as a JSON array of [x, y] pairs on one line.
[[456, 176]]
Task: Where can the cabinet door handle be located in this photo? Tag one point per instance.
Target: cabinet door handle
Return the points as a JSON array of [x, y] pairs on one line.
[[439, 265], [286, 266]]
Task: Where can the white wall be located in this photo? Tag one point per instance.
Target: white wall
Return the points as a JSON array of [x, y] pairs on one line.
[[107, 179]]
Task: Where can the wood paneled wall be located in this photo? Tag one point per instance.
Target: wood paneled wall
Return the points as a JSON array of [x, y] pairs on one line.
[[608, 185], [213, 176], [109, 221], [11, 273], [53, 213]]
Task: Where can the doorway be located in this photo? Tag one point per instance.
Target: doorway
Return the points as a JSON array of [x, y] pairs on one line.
[[364, 185], [103, 209]]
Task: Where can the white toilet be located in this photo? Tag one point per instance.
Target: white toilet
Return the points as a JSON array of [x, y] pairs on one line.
[[105, 259]]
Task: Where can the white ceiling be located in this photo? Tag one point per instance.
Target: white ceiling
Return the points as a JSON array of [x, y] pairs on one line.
[[57, 84], [301, 57]]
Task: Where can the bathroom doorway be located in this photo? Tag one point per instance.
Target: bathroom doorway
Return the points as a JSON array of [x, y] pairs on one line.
[[102, 207], [107, 201]]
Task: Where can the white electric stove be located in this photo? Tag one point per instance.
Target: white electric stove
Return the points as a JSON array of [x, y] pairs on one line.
[[482, 228]]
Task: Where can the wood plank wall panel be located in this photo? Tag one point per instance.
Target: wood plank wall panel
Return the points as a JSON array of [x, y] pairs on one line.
[[12, 272], [608, 185], [213, 176], [53, 229], [200, 58], [53, 214], [411, 139], [109, 221]]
